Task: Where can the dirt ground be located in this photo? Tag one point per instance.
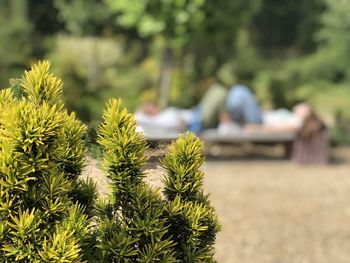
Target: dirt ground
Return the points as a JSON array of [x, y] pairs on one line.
[[274, 211]]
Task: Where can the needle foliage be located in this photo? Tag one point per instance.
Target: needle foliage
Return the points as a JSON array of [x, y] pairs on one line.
[[49, 214], [137, 224], [42, 201]]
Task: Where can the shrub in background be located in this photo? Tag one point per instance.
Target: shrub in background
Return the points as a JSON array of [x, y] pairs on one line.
[[42, 200], [97, 68], [340, 133]]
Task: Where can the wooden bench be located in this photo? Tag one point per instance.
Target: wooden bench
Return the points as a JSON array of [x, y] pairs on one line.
[[158, 135], [213, 136], [303, 152]]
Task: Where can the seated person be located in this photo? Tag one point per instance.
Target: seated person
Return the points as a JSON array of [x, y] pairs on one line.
[[312, 143]]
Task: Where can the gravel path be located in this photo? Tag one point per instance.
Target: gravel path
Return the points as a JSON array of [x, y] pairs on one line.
[[277, 212], [274, 211]]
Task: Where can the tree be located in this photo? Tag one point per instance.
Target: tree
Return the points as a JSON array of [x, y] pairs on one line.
[[15, 30], [213, 43], [330, 61], [334, 38], [174, 21], [96, 58], [274, 18]]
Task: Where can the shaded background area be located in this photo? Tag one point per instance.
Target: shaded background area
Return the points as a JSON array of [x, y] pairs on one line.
[[286, 51]]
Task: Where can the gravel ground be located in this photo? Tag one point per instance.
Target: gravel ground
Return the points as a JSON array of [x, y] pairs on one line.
[[274, 211]]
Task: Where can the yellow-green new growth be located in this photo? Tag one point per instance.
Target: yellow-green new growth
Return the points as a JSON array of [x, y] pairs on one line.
[[183, 163], [131, 225], [192, 222], [41, 157], [124, 147], [40, 85]]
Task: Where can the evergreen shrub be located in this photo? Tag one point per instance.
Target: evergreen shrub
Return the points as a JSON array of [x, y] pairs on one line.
[[43, 203], [49, 214], [137, 223]]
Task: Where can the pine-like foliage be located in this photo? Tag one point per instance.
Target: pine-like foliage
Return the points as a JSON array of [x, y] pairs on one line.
[[48, 214], [192, 221], [132, 227], [42, 201], [137, 224]]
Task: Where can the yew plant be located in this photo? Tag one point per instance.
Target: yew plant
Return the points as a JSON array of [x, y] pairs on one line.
[[131, 224], [43, 203], [49, 214], [191, 220], [137, 223]]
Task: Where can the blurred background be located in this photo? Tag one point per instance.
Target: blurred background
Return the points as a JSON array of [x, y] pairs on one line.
[[171, 51], [286, 51]]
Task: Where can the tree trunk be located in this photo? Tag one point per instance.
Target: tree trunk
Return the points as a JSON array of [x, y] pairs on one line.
[[93, 66], [165, 77]]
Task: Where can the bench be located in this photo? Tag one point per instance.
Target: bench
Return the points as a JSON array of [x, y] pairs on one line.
[[213, 136], [304, 152]]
